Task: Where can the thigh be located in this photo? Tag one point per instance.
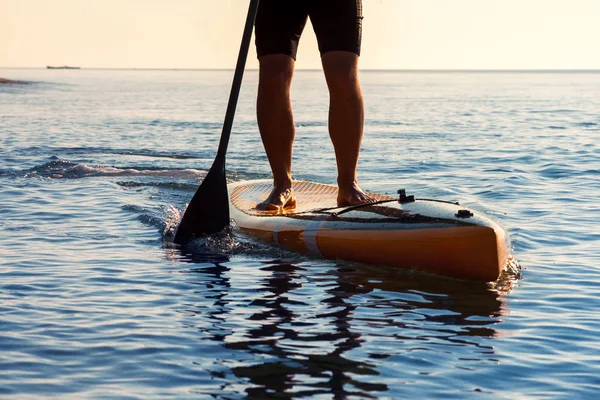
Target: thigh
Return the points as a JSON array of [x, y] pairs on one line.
[[337, 24], [279, 25]]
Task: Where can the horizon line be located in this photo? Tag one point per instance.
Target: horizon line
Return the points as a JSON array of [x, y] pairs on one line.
[[79, 68]]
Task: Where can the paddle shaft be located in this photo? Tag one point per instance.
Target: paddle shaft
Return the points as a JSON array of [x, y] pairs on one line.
[[237, 79]]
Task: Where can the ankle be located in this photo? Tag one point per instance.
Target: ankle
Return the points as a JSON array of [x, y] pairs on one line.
[[347, 184], [283, 183]]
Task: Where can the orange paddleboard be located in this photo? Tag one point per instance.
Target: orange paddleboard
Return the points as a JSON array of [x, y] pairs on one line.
[[434, 236]]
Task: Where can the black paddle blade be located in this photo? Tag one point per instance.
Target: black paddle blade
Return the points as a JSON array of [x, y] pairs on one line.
[[208, 212]]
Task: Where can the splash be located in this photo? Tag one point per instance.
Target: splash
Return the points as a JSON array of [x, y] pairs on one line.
[[509, 277], [218, 243], [172, 222]]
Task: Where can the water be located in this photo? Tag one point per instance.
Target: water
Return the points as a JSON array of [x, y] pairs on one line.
[[96, 164]]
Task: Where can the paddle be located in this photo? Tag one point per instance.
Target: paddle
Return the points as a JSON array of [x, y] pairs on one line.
[[208, 212]]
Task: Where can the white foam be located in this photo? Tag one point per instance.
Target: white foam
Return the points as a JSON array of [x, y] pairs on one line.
[[83, 170]]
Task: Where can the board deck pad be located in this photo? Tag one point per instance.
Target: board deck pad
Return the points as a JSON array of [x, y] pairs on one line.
[[310, 196]]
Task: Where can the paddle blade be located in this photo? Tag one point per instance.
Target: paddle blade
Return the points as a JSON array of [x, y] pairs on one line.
[[208, 212]]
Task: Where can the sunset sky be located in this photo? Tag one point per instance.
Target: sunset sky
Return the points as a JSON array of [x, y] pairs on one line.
[[398, 34]]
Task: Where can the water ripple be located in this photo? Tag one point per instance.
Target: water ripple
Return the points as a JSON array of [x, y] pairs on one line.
[[95, 302]]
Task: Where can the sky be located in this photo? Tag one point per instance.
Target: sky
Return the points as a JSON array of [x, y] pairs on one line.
[[397, 34]]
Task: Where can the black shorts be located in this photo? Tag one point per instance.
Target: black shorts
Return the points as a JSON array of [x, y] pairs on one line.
[[279, 24]]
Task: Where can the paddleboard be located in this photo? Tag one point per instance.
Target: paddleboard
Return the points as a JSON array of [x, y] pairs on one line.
[[430, 235]]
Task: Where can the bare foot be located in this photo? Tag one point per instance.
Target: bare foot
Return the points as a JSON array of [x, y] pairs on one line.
[[280, 198], [352, 195]]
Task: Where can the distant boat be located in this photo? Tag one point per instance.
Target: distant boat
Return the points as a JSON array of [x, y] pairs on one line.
[[62, 67]]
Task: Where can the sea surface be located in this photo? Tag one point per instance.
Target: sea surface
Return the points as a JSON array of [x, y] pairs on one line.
[[97, 165]]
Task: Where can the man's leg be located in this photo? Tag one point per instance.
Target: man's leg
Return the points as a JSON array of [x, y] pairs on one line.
[[276, 125], [346, 121]]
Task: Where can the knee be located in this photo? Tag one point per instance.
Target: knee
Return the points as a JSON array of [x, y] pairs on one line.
[[276, 70], [341, 71]]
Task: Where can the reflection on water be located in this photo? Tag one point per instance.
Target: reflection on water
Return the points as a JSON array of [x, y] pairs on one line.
[[342, 330]]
